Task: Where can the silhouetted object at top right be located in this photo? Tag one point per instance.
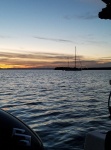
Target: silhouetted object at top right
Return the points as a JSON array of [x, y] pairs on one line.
[[106, 12]]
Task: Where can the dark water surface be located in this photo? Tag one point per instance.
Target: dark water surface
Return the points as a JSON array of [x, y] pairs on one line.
[[60, 106]]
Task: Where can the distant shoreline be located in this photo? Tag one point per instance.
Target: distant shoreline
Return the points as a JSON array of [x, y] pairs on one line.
[[91, 68], [57, 68], [26, 68]]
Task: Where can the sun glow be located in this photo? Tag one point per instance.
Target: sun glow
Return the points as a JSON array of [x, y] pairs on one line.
[[5, 66]]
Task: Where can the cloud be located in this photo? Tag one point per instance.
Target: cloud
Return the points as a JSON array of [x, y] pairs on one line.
[[29, 60], [87, 16], [53, 39], [100, 62], [51, 60]]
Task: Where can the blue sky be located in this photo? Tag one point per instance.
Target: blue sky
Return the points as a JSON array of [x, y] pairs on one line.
[[44, 33]]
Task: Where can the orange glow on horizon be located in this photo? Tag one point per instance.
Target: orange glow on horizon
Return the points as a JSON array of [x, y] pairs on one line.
[[5, 66], [40, 65], [48, 60]]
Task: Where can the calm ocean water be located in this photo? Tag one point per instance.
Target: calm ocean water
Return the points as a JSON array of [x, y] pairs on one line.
[[60, 106]]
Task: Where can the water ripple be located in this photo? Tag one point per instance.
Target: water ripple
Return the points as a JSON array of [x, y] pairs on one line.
[[60, 106]]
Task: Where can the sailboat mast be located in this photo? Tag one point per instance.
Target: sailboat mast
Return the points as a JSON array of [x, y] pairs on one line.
[[75, 56]]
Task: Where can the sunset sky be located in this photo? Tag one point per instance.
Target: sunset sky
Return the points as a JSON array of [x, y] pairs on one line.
[[44, 33]]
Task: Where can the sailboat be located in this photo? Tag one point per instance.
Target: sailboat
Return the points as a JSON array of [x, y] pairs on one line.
[[73, 68], [69, 68]]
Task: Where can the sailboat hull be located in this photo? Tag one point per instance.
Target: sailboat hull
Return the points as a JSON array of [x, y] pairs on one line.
[[68, 69], [73, 69]]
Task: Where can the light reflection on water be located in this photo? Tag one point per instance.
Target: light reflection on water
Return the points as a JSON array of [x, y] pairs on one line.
[[61, 106]]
